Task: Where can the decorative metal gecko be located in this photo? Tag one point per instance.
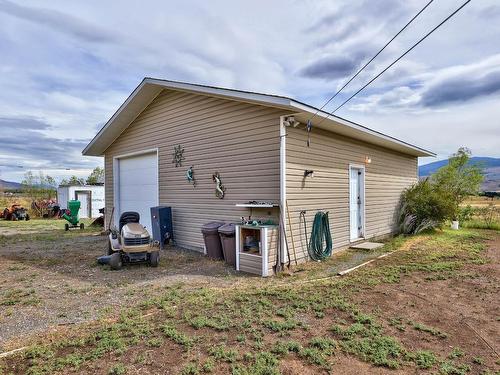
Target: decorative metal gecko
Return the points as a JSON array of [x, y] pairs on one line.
[[190, 176], [178, 156], [219, 188]]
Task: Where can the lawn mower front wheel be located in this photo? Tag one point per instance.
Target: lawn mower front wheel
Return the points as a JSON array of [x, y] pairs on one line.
[[154, 258], [115, 262], [66, 227], [82, 226]]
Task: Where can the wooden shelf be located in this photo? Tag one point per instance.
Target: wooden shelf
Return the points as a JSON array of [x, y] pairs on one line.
[[259, 262], [256, 205]]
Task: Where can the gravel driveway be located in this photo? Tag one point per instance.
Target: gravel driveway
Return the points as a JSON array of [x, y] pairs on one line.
[[49, 277]]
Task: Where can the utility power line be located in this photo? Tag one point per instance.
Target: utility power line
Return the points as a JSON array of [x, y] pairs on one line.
[[373, 58], [399, 58]]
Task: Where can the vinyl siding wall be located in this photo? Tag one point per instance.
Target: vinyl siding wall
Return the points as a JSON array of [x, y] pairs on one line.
[[239, 140], [329, 156]]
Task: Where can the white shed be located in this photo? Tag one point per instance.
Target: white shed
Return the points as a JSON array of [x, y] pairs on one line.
[[90, 196]]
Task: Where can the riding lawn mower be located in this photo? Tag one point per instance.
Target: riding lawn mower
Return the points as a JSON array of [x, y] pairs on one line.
[[131, 243]]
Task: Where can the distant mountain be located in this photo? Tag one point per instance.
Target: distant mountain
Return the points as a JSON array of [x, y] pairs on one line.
[[491, 167], [9, 185]]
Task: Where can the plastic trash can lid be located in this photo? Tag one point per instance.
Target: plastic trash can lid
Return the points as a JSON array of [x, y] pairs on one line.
[[227, 229], [211, 227]]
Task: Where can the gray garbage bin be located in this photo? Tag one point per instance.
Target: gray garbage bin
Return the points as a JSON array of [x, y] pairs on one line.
[[228, 240], [212, 239]]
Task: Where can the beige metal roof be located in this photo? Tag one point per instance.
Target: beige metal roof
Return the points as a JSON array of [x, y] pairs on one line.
[[149, 88]]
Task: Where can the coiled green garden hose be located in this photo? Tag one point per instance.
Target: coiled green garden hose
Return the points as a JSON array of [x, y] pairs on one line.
[[320, 234]]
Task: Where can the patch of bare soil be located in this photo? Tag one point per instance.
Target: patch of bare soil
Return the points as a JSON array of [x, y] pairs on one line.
[[49, 283], [464, 309], [168, 359], [14, 231]]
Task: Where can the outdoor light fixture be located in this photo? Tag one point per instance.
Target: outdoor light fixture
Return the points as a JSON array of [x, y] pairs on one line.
[[290, 121], [308, 173], [368, 160]]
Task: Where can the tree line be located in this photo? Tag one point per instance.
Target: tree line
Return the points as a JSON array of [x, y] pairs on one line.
[[42, 186]]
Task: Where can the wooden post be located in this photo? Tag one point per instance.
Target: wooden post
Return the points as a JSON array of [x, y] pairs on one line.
[[291, 232]]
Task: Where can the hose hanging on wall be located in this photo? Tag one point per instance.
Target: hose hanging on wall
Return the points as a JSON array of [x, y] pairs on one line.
[[320, 234]]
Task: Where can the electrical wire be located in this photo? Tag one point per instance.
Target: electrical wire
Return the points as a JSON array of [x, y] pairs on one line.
[[373, 58], [399, 58]]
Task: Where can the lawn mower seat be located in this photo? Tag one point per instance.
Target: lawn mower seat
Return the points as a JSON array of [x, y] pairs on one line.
[[129, 217]]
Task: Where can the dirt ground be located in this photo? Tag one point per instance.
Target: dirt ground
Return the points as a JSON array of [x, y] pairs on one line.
[[466, 311], [50, 283], [52, 279]]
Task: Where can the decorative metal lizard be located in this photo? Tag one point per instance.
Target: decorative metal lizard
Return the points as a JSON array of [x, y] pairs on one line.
[[219, 188], [190, 176]]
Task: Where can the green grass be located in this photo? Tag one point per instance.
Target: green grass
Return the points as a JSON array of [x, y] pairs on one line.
[[254, 326], [478, 360], [25, 297], [456, 353], [191, 368], [451, 368], [41, 225], [284, 347], [431, 330], [155, 342], [424, 359], [281, 326], [368, 343], [49, 230], [220, 323], [178, 337], [398, 323], [224, 354], [118, 369], [208, 366], [480, 224], [263, 363]]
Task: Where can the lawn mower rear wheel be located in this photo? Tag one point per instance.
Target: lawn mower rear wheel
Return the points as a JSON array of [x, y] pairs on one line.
[[115, 262]]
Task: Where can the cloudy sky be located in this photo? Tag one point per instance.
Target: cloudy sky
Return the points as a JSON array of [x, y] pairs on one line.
[[66, 66]]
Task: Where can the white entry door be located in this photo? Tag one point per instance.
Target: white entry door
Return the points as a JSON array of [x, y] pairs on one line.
[[137, 185], [356, 202], [83, 197]]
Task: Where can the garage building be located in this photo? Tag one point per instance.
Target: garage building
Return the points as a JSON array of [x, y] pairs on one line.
[[260, 147]]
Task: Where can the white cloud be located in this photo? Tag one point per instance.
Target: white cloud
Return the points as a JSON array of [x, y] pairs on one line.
[[442, 89], [70, 64]]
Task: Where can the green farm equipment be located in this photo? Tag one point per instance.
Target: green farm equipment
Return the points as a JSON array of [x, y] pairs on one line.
[[71, 216]]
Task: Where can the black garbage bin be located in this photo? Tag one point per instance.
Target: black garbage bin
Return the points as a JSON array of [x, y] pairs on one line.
[[212, 239], [228, 240]]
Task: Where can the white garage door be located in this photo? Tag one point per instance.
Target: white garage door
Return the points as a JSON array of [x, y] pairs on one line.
[[138, 186]]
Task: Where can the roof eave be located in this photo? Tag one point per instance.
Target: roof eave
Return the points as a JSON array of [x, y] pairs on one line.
[[374, 136], [149, 88], [92, 149]]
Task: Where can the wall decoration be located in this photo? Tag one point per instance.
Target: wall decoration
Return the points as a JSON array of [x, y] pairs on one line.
[[219, 188], [190, 176], [178, 156]]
